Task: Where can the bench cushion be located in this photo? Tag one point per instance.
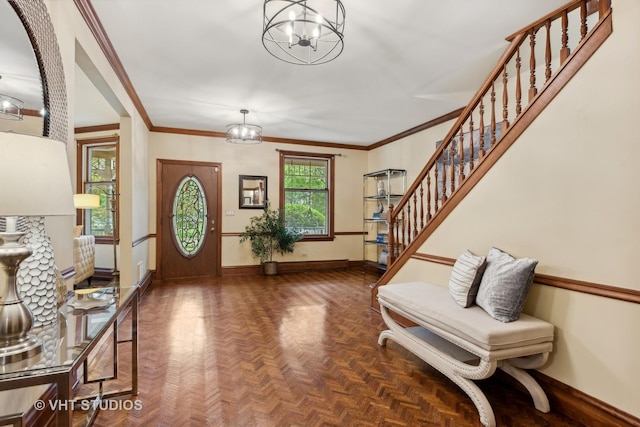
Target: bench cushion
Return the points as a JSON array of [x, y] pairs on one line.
[[431, 304]]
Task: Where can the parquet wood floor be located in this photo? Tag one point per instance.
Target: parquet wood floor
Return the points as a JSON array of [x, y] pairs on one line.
[[291, 350]]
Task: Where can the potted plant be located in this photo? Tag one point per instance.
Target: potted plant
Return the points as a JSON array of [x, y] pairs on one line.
[[268, 234]]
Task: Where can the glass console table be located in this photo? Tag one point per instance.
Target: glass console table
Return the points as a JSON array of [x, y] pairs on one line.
[[67, 344]]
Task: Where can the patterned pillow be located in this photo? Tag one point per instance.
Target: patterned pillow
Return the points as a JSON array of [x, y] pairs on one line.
[[77, 231], [465, 278], [505, 285]]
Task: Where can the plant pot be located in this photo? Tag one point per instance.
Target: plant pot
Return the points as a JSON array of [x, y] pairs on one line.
[[270, 268]]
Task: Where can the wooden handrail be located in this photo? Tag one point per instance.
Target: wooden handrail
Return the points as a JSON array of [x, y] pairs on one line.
[[462, 118], [501, 99], [556, 14]]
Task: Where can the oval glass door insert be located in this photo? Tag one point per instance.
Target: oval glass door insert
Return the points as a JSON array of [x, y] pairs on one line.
[[189, 216]]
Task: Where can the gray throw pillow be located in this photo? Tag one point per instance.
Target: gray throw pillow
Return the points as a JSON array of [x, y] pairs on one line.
[[465, 278], [505, 284]]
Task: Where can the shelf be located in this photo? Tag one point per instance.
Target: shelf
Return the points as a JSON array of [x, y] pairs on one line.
[[384, 173], [376, 265], [375, 242], [380, 189]]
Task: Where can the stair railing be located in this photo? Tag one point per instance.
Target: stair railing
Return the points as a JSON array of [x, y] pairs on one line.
[[544, 46]]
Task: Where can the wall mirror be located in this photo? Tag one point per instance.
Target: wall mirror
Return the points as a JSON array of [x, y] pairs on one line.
[[253, 192], [19, 73], [31, 57]]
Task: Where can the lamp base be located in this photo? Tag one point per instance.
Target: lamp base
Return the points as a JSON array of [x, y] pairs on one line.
[[15, 317], [27, 347], [37, 274]]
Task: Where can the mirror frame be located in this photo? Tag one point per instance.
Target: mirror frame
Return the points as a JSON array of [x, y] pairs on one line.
[[250, 201], [37, 23]]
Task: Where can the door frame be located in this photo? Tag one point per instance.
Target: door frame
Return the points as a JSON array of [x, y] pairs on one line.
[[159, 231]]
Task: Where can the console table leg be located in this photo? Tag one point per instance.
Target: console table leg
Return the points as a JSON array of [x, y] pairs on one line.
[[64, 403]]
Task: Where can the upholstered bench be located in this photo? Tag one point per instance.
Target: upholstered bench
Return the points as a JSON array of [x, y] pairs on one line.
[[466, 344]]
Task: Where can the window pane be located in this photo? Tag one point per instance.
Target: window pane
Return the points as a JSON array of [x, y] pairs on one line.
[[102, 159], [306, 212], [99, 221], [305, 173]]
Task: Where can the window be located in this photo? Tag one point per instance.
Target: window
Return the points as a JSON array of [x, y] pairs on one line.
[[98, 174], [306, 193]]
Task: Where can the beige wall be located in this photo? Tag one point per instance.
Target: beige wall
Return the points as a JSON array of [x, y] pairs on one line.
[[410, 153], [263, 159], [567, 194], [74, 38]]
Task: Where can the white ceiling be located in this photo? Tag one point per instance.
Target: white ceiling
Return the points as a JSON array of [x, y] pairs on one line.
[[196, 63]]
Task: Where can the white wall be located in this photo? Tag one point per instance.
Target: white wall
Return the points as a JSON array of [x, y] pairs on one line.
[[567, 194]]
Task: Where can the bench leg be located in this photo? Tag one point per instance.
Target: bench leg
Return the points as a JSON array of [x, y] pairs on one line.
[[457, 371], [540, 400]]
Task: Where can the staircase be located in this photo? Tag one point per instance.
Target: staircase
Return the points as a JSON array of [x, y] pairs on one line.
[[538, 63]]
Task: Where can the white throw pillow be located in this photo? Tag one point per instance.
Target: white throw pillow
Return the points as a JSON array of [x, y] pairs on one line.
[[465, 278]]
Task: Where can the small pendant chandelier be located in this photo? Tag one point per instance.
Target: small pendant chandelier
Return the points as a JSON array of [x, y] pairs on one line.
[[304, 32], [10, 107], [244, 133]]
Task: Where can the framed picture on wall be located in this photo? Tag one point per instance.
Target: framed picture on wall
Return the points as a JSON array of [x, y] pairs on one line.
[[253, 192]]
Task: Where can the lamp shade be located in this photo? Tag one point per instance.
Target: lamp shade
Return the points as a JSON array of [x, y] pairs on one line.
[[35, 177], [86, 201]]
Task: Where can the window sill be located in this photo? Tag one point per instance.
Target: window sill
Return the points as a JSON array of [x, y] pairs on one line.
[[317, 239]]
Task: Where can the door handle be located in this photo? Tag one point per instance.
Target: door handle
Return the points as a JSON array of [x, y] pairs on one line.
[[213, 228]]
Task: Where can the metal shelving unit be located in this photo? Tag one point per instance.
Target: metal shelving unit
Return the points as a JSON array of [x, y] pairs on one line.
[[379, 189]]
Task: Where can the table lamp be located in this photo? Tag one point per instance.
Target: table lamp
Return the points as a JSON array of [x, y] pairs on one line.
[[84, 201], [36, 182]]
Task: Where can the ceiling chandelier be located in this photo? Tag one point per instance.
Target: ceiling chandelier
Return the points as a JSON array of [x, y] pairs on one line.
[[244, 133], [10, 107], [306, 32]]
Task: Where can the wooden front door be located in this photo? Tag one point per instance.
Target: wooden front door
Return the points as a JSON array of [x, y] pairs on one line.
[[188, 223]]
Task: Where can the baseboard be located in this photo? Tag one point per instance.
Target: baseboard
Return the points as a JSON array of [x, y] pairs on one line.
[[575, 404], [146, 282], [291, 267], [241, 270], [581, 407], [307, 266], [103, 273]]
